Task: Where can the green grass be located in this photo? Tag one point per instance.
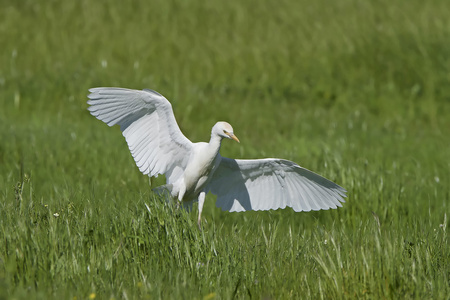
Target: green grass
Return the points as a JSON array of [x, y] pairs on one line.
[[357, 91]]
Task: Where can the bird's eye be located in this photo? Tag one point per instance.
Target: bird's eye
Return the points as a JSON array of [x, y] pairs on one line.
[[225, 132]]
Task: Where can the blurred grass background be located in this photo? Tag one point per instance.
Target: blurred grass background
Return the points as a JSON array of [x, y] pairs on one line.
[[357, 91]]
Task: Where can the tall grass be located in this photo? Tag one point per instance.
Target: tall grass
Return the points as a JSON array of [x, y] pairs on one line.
[[355, 90]]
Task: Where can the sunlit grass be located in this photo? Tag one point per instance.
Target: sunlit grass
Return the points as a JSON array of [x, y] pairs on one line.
[[356, 91]]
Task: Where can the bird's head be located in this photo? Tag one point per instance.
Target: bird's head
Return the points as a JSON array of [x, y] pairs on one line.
[[223, 129]]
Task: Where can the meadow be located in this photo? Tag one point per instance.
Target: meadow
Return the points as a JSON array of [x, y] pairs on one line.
[[357, 91]]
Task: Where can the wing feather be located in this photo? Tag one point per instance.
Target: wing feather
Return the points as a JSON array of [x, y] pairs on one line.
[[291, 193], [297, 205], [147, 122], [264, 184]]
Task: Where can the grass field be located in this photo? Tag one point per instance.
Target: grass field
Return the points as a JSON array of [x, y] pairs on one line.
[[357, 91]]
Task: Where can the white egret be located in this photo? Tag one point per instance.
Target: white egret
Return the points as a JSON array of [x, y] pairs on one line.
[[194, 169]]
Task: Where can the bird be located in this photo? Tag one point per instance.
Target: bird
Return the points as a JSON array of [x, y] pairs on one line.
[[192, 170]]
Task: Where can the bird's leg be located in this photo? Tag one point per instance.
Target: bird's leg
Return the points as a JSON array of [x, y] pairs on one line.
[[181, 195], [201, 201], [181, 192]]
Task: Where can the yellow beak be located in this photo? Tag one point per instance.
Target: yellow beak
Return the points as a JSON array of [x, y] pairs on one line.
[[232, 136]]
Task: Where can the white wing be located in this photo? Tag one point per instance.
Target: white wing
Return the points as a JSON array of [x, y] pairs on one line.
[[264, 184], [149, 127]]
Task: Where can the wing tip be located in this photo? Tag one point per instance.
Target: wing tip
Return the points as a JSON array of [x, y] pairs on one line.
[[153, 92]]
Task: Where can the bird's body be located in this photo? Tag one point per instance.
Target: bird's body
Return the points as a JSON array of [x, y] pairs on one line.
[[193, 169], [204, 161]]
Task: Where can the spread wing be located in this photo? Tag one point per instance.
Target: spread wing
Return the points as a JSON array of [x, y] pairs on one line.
[[148, 125], [264, 184]]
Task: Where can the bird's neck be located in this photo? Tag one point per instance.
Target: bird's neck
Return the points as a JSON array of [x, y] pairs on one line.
[[215, 142]]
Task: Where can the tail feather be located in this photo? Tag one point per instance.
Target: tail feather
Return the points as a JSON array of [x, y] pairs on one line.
[[164, 190]]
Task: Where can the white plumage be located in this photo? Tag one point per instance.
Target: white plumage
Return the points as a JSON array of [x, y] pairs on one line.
[[193, 169]]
